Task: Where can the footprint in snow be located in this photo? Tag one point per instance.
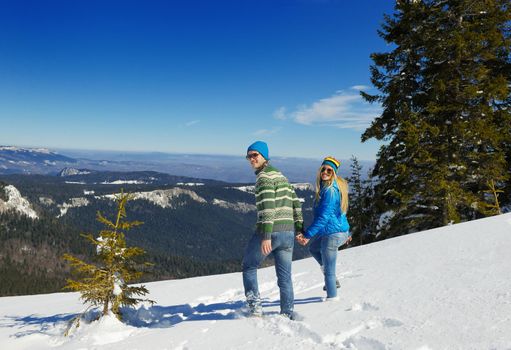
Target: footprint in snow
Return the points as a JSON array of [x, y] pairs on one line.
[[363, 307]]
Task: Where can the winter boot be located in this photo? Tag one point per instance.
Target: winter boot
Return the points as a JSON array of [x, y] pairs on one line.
[[254, 305]]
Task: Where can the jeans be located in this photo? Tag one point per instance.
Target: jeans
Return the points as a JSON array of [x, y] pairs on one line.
[[282, 244], [324, 250]]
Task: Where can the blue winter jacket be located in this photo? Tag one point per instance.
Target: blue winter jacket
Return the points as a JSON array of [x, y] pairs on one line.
[[328, 217]]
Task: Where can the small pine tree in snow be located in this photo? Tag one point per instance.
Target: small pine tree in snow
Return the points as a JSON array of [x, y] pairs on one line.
[[105, 284]]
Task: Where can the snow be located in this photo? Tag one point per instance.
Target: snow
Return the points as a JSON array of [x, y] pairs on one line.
[[73, 172], [384, 220], [19, 149], [248, 189], [73, 203], [303, 186], [17, 202], [447, 288], [162, 198], [46, 201], [167, 198], [122, 182], [118, 282], [296, 186], [238, 206], [190, 184]]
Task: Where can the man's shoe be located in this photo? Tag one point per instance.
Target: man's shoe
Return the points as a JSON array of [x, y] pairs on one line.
[[332, 299], [255, 310], [289, 315]]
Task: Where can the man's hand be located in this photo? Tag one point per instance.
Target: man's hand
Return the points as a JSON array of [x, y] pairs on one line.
[[266, 246], [301, 239]]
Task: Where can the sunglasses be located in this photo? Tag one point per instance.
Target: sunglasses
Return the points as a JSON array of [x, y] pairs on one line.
[[252, 155], [329, 171]]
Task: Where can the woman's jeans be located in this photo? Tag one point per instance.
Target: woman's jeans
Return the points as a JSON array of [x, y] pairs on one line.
[[324, 250], [282, 248]]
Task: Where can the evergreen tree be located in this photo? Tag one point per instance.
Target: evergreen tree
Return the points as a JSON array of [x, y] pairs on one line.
[[494, 207], [362, 216], [106, 284], [446, 120], [356, 212]]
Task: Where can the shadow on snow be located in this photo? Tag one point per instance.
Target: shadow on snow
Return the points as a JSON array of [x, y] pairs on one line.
[[155, 316]]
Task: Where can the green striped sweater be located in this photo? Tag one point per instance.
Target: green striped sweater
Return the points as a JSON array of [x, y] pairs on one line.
[[278, 207]]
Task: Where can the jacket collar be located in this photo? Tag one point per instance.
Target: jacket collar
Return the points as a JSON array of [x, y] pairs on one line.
[[258, 171]]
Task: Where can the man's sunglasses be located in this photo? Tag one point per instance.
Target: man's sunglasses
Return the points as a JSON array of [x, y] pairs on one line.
[[252, 155], [329, 171]]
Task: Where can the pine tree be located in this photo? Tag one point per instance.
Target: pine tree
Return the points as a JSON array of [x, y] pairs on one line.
[[446, 118], [362, 216], [356, 212], [493, 208], [105, 284]]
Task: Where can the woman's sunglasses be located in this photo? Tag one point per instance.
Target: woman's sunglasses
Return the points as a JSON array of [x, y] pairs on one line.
[[329, 171], [251, 156]]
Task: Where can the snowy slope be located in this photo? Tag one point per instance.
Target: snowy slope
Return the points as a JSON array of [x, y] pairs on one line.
[[447, 288]]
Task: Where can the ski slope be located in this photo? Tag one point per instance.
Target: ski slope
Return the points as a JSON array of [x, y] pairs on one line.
[[447, 288]]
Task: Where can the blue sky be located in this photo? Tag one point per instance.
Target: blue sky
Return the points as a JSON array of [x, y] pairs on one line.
[[190, 76]]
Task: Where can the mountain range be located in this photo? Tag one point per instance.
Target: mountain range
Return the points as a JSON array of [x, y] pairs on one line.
[[18, 160], [198, 210], [191, 226]]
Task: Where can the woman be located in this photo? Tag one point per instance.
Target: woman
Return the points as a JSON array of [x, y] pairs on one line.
[[330, 228]]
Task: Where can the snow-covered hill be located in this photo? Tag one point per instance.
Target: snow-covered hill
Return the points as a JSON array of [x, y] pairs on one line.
[[447, 288], [15, 201]]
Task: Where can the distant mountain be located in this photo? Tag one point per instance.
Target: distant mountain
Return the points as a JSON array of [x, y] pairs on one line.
[[95, 177], [31, 160], [233, 169], [72, 172]]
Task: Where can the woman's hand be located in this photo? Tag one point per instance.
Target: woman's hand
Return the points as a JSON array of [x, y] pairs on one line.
[[301, 239]]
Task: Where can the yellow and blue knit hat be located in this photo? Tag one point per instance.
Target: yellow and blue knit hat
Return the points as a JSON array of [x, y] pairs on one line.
[[331, 161]]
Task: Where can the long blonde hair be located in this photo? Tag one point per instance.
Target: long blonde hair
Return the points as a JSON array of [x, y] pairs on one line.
[[343, 187]]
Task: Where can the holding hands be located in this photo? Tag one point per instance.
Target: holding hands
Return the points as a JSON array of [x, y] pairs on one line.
[[301, 239]]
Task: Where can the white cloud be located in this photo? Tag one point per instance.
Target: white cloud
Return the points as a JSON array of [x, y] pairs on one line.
[[360, 87], [280, 113], [193, 122], [342, 110], [267, 132]]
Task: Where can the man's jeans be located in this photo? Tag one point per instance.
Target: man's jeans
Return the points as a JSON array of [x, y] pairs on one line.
[[282, 248], [324, 250]]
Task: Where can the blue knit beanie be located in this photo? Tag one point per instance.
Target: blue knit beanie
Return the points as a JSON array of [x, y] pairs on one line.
[[261, 147]]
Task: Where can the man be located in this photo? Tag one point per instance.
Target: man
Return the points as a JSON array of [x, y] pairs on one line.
[[279, 216]]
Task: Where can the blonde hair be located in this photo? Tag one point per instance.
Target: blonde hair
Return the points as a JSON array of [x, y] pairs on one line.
[[343, 188]]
